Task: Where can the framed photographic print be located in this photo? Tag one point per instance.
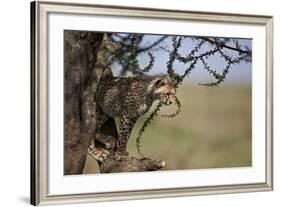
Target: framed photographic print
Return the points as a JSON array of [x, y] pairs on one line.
[[133, 103]]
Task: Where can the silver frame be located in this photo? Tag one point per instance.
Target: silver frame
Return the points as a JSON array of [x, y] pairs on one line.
[[39, 99]]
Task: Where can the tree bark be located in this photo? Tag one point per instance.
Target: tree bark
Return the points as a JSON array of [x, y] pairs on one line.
[[82, 52]]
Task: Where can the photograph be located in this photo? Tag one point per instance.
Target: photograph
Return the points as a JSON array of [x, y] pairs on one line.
[[138, 102], [113, 103]]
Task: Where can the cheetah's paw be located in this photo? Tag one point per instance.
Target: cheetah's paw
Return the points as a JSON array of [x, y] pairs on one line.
[[98, 154], [121, 155]]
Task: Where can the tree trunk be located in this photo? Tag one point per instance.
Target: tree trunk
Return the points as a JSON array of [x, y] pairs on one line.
[[82, 51]]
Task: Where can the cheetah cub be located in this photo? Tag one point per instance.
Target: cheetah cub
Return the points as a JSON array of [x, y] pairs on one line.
[[129, 98]]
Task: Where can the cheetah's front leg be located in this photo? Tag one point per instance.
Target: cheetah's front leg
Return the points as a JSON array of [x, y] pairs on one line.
[[126, 127]]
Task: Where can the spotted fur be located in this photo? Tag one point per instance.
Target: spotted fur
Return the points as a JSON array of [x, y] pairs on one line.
[[129, 98]]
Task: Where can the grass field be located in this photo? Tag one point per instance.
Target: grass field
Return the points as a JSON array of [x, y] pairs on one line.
[[213, 130]]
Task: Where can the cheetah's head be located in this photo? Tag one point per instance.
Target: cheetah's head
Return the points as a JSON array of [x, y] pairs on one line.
[[164, 89]]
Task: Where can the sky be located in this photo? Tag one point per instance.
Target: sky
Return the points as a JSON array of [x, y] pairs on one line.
[[239, 74]]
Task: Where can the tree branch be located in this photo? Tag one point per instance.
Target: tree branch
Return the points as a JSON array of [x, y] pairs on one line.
[[224, 45], [152, 45]]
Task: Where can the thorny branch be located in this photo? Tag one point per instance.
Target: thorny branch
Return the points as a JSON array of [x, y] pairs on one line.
[[191, 60]]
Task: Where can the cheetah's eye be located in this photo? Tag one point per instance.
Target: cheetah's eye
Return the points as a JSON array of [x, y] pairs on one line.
[[159, 83]]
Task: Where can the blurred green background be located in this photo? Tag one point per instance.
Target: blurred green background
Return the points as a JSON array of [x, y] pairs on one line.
[[213, 130]]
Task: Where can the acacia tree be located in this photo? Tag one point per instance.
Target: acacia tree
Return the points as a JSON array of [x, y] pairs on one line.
[[88, 54]]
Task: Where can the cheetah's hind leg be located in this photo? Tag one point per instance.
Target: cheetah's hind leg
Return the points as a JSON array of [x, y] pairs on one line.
[[107, 140], [98, 154]]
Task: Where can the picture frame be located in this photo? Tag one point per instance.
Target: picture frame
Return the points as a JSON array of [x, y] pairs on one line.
[[42, 177]]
